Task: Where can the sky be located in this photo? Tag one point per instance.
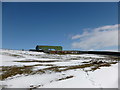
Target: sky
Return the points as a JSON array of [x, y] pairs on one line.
[[73, 25]]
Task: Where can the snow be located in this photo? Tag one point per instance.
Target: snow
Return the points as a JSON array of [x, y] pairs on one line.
[[27, 81], [105, 77], [89, 55], [40, 67], [67, 63], [8, 61], [102, 78], [109, 74]]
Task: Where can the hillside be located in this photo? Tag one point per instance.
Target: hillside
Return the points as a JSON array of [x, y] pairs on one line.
[[40, 70]]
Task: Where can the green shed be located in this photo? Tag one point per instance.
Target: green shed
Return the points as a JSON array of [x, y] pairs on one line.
[[48, 48]]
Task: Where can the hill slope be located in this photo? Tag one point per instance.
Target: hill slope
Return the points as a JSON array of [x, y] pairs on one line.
[[40, 70]]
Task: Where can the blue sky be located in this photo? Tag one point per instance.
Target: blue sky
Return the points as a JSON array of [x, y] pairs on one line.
[[28, 24]]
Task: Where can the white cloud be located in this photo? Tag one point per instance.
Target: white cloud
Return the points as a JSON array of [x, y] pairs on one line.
[[85, 33], [97, 38]]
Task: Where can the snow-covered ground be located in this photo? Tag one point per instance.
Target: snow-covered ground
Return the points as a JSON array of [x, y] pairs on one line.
[[40, 70]]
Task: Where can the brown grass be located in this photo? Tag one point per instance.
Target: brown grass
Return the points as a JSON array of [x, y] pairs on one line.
[[41, 61], [9, 71], [68, 77]]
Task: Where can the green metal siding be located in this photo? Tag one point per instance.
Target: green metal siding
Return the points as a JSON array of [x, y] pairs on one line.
[[47, 48]]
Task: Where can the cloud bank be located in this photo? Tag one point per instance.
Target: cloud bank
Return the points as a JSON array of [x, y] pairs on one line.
[[97, 38]]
